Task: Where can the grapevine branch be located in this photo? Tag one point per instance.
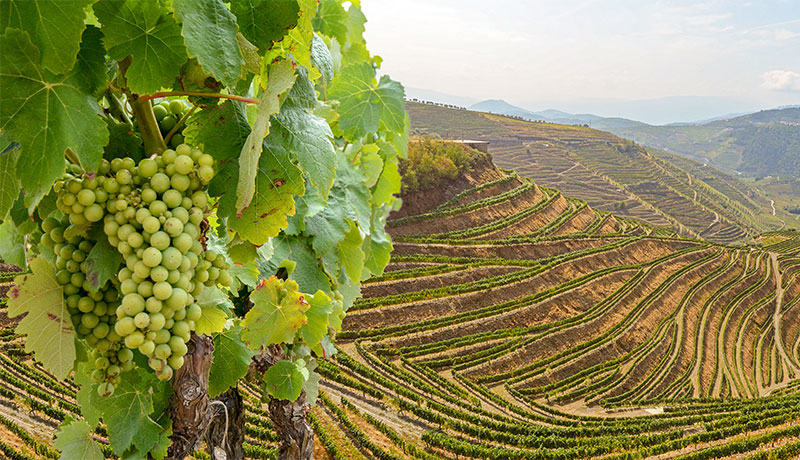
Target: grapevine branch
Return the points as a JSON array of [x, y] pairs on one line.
[[249, 100], [180, 123]]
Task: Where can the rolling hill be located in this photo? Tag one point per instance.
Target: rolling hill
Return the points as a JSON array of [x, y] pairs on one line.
[[515, 322], [614, 174]]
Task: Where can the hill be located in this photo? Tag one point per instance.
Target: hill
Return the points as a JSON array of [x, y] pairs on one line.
[[758, 144], [517, 323], [613, 174]]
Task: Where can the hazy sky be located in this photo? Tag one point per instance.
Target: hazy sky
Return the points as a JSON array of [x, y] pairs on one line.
[[589, 54]]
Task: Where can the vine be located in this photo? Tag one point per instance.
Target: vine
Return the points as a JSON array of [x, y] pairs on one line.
[[198, 190]]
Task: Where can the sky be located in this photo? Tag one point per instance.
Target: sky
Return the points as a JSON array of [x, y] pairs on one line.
[[608, 57]]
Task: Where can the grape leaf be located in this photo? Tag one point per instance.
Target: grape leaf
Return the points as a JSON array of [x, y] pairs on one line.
[[213, 318], [278, 180], [378, 246], [222, 129], [9, 186], [12, 244], [147, 33], [308, 274], [281, 78], [364, 105], [74, 440], [90, 69], [351, 255], [263, 22], [55, 28], [102, 263], [348, 201], [355, 25], [129, 412], [309, 137], [311, 384], [47, 324], [283, 380], [209, 30], [322, 60], [332, 20], [231, 361], [46, 114], [319, 308], [297, 41], [278, 313], [388, 184]]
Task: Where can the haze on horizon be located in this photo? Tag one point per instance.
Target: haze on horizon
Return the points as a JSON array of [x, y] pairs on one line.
[[610, 57]]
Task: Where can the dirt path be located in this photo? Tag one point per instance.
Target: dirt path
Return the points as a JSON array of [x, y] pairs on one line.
[[772, 203], [776, 323]]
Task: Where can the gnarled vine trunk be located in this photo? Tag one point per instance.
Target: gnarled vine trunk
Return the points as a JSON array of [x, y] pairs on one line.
[[227, 437], [289, 418], [189, 408]]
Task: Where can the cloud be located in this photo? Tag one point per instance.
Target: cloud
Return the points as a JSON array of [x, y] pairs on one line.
[[781, 80]]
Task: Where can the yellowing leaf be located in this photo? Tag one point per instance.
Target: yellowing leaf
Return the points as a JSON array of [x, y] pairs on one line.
[[281, 78], [213, 318], [48, 326], [278, 313]]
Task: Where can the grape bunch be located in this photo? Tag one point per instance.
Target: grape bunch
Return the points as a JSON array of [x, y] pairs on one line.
[[154, 214], [168, 114], [157, 230]]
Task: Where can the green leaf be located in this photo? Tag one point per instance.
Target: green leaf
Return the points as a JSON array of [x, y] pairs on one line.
[[309, 137], [46, 114], [388, 184], [281, 78], [378, 246], [278, 180], [130, 412], [102, 263], [278, 313], [213, 318], [319, 308], [322, 60], [308, 274], [209, 29], [223, 130], [90, 69], [9, 186], [12, 244], [47, 324], [123, 141], [231, 361], [297, 41], [263, 22], [365, 105], [74, 440], [283, 380], [55, 28], [332, 20], [311, 384], [351, 255], [148, 33]]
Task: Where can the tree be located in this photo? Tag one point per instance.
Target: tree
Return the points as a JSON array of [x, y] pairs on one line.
[[220, 234]]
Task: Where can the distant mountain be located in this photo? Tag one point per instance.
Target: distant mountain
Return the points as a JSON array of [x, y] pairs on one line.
[[436, 96], [502, 107], [758, 144]]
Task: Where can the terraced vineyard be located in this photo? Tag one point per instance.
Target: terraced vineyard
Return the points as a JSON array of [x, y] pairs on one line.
[[517, 322], [614, 175]]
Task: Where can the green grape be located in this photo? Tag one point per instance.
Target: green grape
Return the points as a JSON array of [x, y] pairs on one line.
[[205, 160], [105, 389], [101, 330], [98, 376], [147, 168], [159, 274], [167, 123], [124, 177], [200, 199], [171, 259], [175, 362], [165, 373], [181, 183], [132, 304], [173, 226], [147, 347], [85, 197], [163, 351], [183, 164], [176, 107], [149, 195], [93, 213], [151, 225], [205, 173], [162, 290], [160, 240], [135, 240], [180, 328], [177, 299], [113, 370], [157, 321], [160, 112], [135, 339], [160, 182], [141, 320], [101, 363], [194, 312], [145, 290], [152, 304], [90, 320], [169, 156], [128, 163], [177, 140], [172, 198], [124, 355], [125, 327], [177, 345], [158, 208]]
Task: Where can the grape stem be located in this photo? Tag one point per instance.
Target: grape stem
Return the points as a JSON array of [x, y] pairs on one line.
[[180, 123], [249, 100]]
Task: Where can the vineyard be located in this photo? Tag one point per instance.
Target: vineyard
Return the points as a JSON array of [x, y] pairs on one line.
[[517, 322], [614, 175]]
